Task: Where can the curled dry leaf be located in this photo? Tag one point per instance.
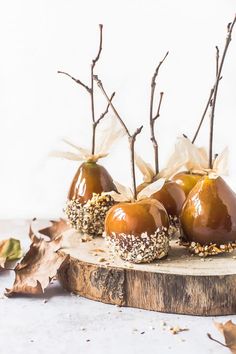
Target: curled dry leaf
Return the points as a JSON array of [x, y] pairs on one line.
[[38, 266], [10, 250], [56, 229], [228, 330]]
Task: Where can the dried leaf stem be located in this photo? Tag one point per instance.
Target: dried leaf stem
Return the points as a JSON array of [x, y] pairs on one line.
[[215, 340], [90, 90], [220, 67], [154, 117], [131, 137]]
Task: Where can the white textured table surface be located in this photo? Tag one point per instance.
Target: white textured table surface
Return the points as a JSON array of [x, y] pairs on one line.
[[66, 323]]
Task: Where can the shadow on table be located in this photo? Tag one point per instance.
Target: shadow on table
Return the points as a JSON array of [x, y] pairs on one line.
[[53, 290]]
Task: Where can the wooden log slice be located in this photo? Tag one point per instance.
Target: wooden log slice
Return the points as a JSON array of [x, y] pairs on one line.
[[181, 283]]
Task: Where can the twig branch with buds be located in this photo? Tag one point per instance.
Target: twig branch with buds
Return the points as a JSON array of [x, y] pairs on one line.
[[220, 65], [131, 137], [153, 117], [90, 90], [209, 102]]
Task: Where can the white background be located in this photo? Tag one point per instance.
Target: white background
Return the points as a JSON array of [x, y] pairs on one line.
[[38, 107]]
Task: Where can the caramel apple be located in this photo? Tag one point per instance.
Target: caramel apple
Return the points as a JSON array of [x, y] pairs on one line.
[[172, 197], [89, 179], [138, 230], [186, 180], [208, 217], [87, 204]]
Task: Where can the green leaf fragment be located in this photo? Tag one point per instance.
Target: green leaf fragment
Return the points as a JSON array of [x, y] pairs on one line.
[[10, 249]]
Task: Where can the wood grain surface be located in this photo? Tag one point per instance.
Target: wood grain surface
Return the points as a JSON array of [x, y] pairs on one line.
[[181, 283]]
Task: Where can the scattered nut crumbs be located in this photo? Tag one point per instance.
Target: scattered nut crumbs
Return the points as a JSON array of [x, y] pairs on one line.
[[177, 329], [208, 250], [142, 249], [102, 259], [89, 217], [97, 250]]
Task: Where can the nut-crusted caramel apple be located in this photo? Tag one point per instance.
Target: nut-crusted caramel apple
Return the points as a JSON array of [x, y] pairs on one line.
[[186, 180], [87, 205], [208, 217], [138, 231]]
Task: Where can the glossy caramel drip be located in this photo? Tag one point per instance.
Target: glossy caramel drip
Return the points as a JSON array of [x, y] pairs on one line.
[[209, 213], [90, 178]]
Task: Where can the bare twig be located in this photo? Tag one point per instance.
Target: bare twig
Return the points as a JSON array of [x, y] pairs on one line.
[[203, 115], [153, 118], [215, 340], [106, 111], [76, 80], [99, 49], [209, 102], [159, 106], [131, 137], [94, 61], [90, 90], [221, 63], [217, 59], [100, 85]]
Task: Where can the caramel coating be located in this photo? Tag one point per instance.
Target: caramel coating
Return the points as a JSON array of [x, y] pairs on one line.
[[136, 218], [172, 197], [90, 178], [209, 213], [186, 180]]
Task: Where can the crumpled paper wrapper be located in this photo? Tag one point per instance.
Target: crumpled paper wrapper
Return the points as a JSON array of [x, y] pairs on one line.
[[186, 156], [125, 194], [108, 132]]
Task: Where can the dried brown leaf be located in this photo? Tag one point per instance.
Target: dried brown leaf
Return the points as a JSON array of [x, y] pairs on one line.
[[228, 330], [56, 229], [38, 266]]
